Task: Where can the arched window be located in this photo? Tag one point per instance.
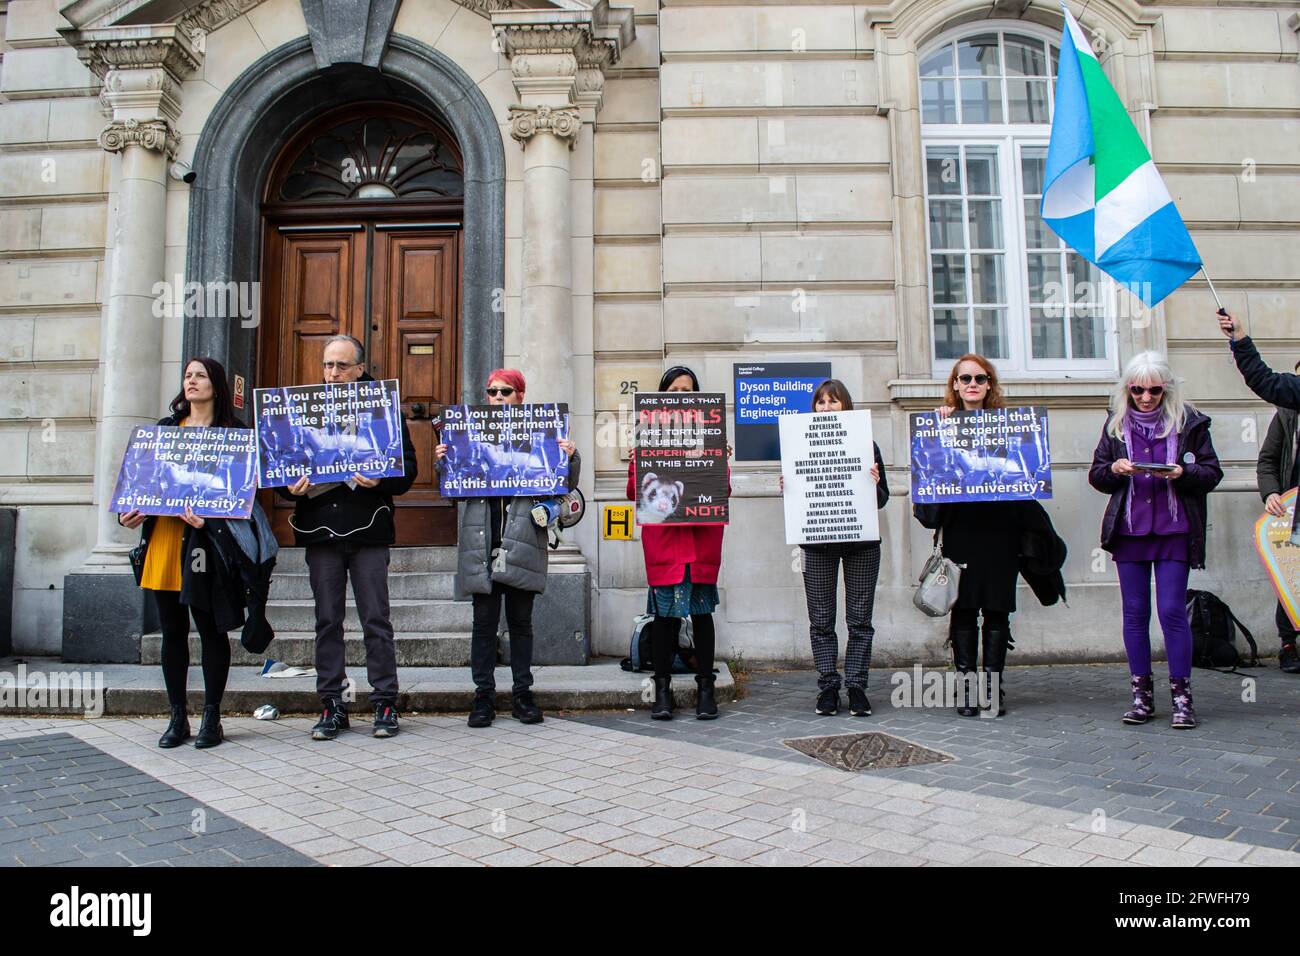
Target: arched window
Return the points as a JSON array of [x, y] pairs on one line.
[[1001, 283], [371, 152]]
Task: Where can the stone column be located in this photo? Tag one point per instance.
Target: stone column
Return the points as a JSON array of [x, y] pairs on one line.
[[142, 70], [553, 56], [546, 311]]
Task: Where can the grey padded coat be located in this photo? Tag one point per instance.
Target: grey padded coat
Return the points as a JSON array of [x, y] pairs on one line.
[[523, 559]]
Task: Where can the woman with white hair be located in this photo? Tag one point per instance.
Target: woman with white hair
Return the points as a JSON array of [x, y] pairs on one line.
[[1156, 461]]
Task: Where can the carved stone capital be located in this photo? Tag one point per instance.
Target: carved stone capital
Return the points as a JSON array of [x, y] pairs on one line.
[[168, 47], [563, 122], [158, 135]]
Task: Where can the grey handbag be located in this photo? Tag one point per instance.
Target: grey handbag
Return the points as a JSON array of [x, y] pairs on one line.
[[937, 591]]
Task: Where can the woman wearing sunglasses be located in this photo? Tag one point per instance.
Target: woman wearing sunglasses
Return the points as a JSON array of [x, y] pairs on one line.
[[1156, 461], [502, 558], [984, 536]]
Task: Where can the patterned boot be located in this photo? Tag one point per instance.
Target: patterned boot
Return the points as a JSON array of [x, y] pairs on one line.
[[1180, 688], [1144, 700]]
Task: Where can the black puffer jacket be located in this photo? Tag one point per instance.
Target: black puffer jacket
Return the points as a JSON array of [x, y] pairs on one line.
[[359, 515]]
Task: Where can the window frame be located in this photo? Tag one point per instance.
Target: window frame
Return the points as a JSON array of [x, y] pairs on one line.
[[1009, 139]]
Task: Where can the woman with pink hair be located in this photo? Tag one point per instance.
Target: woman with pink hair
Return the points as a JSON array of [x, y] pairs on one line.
[[502, 560]]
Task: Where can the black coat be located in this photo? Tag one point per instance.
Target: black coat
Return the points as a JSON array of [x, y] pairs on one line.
[[358, 515], [216, 575], [998, 542], [1277, 455], [1277, 388], [882, 499], [1201, 475]]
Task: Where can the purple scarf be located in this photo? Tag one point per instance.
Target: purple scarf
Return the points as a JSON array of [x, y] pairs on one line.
[[1148, 425]]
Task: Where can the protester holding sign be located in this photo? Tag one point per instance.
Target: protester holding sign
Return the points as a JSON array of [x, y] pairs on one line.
[[682, 563], [1276, 471], [347, 528], [994, 542], [821, 578], [1156, 461], [189, 564], [502, 560]]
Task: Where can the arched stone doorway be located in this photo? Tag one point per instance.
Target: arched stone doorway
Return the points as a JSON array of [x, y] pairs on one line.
[[273, 101], [361, 235]]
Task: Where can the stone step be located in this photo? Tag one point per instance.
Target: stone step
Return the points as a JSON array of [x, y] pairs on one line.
[[402, 585], [294, 561], [137, 689], [444, 649], [407, 616]]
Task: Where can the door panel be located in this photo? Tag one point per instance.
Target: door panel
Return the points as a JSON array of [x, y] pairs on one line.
[[414, 334]]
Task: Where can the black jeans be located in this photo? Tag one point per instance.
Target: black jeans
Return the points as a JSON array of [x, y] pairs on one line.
[[1285, 629], [483, 638], [330, 566], [174, 617]]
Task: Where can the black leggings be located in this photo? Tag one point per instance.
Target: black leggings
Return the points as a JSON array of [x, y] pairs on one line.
[[663, 643], [175, 620], [969, 617]]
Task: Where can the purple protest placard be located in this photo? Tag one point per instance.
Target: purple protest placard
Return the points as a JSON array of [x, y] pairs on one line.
[[167, 469], [328, 432]]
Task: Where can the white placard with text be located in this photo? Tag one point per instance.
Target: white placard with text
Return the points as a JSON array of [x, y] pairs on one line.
[[826, 460]]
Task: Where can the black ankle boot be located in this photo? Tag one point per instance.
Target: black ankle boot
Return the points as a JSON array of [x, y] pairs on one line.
[[178, 730], [965, 650], [706, 705], [662, 708], [996, 642], [210, 733]]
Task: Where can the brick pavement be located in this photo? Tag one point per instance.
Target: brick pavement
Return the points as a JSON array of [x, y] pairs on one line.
[[1235, 777], [578, 792]]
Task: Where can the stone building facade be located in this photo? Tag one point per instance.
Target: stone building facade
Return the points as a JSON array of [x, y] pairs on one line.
[[634, 185]]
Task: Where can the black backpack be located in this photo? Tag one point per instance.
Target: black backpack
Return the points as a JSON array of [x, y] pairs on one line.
[[1214, 629]]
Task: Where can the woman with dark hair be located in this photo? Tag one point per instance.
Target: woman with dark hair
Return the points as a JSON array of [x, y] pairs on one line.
[[983, 537], [821, 577], [186, 574], [682, 564], [502, 559]]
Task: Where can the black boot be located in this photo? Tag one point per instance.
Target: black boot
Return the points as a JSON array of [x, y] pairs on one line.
[[178, 730], [996, 642], [706, 705], [210, 733], [965, 650], [662, 708]]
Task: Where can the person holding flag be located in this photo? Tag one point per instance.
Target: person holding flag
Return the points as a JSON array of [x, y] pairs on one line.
[[1103, 195]]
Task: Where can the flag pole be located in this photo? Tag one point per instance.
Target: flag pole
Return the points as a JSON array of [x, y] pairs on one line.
[[1222, 310]]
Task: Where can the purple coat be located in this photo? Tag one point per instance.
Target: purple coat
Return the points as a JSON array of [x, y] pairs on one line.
[[1200, 476]]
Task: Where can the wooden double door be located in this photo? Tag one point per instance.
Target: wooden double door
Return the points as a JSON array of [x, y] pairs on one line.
[[395, 286]]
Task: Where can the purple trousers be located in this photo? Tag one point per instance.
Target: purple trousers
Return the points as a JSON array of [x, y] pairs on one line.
[[1171, 608]]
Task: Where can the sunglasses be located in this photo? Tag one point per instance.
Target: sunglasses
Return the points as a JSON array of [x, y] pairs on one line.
[[504, 391], [977, 379], [1155, 391]]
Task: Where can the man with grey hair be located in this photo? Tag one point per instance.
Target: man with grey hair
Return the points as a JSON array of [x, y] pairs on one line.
[[346, 528]]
